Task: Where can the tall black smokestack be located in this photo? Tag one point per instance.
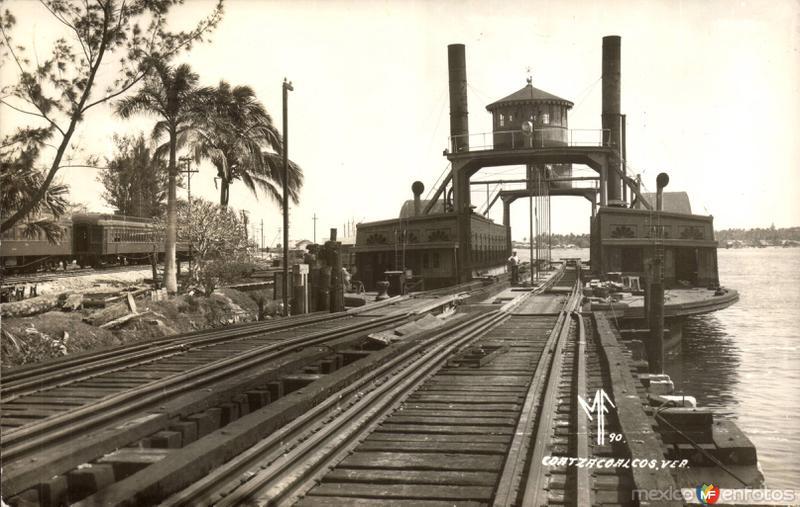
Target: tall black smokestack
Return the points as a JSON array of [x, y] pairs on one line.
[[611, 118], [459, 121]]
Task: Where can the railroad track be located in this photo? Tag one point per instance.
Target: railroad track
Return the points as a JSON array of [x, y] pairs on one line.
[[45, 406], [465, 423], [443, 402], [55, 275]]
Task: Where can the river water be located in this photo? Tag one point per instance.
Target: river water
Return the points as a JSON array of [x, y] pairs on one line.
[[744, 361]]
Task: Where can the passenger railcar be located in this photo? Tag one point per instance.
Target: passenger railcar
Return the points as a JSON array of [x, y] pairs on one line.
[[105, 238], [22, 253], [90, 239]]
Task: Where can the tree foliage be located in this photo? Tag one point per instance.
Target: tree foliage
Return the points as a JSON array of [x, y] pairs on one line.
[[236, 133], [135, 182], [218, 238], [57, 90], [19, 180]]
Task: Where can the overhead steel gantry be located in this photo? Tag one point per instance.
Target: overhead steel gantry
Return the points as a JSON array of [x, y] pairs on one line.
[[537, 143]]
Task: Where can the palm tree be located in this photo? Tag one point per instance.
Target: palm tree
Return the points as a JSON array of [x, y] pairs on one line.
[[172, 95], [237, 136]]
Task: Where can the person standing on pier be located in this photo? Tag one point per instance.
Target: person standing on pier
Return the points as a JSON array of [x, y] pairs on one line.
[[513, 265]]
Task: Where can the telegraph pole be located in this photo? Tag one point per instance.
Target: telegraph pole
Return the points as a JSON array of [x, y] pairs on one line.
[[262, 234], [187, 161], [314, 218], [287, 87]]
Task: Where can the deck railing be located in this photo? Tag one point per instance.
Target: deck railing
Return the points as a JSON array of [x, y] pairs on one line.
[[545, 137]]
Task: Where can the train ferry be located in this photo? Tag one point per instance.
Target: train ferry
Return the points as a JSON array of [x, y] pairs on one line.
[[636, 237]]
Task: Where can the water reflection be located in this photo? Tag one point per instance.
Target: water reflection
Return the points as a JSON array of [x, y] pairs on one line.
[[706, 366]]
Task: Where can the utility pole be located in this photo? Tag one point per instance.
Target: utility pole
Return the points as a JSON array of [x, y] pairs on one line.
[[262, 234], [287, 87], [314, 218], [187, 162]]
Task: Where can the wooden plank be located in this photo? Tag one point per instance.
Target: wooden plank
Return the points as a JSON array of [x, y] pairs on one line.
[[433, 406], [445, 447], [636, 426], [455, 421], [407, 491], [421, 461], [437, 437], [444, 412], [486, 398], [330, 501], [464, 430], [32, 412], [388, 476]]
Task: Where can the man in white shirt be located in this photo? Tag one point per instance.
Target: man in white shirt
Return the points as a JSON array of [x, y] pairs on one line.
[[513, 264]]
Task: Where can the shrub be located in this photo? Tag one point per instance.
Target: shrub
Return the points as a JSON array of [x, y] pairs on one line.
[[214, 273]]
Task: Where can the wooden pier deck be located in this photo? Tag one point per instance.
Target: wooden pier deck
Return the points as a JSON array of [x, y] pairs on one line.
[[476, 406]]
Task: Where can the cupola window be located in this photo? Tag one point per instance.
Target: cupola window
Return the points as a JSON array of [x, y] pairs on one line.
[[502, 120]]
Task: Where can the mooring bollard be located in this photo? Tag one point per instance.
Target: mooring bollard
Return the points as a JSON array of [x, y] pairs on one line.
[[300, 275], [383, 289]]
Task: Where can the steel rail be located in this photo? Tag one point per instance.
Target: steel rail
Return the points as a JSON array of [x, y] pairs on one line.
[[535, 487], [583, 491], [33, 437], [49, 371], [60, 375], [295, 472], [276, 445], [516, 461], [283, 480]]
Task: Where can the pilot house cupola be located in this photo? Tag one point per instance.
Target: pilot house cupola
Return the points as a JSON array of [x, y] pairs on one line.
[[532, 118], [526, 109]]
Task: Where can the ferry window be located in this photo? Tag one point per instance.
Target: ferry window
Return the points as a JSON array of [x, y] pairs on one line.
[[546, 119], [425, 262], [435, 259], [502, 120], [510, 118]]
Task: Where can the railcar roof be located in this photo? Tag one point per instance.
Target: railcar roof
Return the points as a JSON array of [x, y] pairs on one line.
[[110, 219]]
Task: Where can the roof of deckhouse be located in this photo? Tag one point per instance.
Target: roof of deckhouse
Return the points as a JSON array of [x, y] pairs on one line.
[[528, 94]]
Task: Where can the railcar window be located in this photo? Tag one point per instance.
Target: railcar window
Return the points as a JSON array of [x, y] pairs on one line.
[[435, 259]]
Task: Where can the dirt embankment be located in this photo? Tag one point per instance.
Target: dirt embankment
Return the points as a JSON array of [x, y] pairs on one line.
[[34, 338]]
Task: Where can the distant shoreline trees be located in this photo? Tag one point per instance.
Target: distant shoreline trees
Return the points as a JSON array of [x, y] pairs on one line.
[[769, 235]]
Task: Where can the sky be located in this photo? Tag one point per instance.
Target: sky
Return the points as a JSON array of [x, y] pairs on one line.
[[711, 90]]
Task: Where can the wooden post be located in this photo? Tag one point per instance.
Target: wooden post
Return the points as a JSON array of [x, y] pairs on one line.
[[655, 353], [324, 298], [300, 275], [154, 265], [314, 282], [335, 263]]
